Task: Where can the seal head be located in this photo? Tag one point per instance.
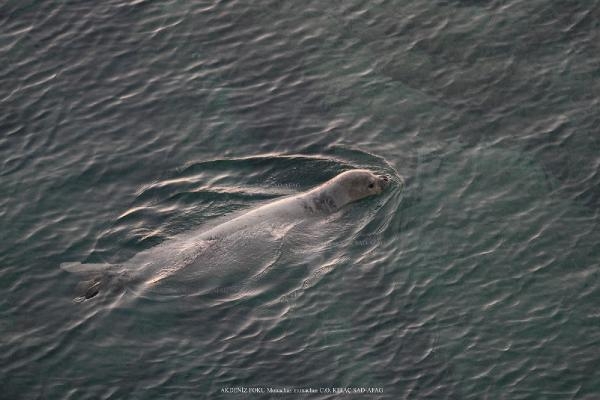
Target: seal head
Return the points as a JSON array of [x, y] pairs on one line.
[[345, 188]]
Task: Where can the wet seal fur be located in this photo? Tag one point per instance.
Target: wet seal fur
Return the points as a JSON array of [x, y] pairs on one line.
[[149, 267], [345, 188], [326, 198]]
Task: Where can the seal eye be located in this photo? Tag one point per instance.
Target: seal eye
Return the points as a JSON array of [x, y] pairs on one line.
[[371, 185]]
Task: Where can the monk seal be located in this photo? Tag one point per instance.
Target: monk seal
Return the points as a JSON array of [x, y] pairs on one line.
[[192, 255]]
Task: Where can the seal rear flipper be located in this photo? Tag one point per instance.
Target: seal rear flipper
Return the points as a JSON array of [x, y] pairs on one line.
[[96, 278], [88, 289], [85, 269]]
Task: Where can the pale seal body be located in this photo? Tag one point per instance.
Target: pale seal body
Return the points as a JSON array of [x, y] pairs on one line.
[[329, 197], [192, 252]]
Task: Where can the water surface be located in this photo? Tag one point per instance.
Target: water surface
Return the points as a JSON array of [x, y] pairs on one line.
[[126, 123]]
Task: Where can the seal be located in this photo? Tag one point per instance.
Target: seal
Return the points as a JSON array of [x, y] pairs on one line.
[[326, 198], [197, 248]]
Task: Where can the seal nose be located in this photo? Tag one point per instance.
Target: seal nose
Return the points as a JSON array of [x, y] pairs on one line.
[[384, 181]]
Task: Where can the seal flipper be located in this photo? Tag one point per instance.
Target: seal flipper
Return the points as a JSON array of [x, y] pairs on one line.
[[88, 289], [85, 269], [97, 277]]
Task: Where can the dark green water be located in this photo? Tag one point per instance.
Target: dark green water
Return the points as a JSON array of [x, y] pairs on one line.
[[126, 123]]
